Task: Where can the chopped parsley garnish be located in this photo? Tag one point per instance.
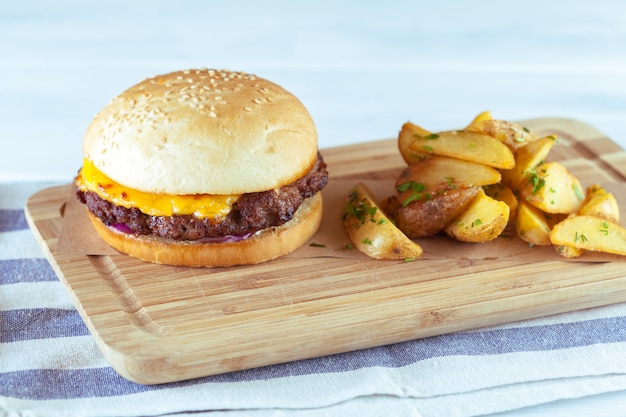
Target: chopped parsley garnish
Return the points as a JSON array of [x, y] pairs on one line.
[[359, 209], [605, 228], [579, 194], [418, 192], [477, 222], [536, 181]]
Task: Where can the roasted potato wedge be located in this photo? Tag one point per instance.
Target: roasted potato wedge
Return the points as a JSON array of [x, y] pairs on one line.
[[513, 135], [429, 216], [600, 203], [466, 145], [531, 225], [526, 160], [406, 137], [372, 232], [483, 220], [553, 189], [568, 251], [424, 179], [590, 233], [505, 194]]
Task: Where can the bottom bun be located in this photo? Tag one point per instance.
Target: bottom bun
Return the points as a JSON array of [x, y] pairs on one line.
[[263, 246]]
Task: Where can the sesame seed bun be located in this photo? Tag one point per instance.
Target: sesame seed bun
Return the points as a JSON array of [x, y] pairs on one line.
[[164, 158], [203, 132]]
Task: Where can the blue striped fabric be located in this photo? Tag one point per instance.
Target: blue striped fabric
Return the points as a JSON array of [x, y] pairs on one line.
[[25, 270], [42, 323], [11, 220]]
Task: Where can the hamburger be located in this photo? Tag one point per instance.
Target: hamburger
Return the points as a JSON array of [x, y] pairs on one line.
[[203, 168]]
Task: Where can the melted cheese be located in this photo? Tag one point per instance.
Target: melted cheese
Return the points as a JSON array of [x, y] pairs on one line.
[[200, 205]]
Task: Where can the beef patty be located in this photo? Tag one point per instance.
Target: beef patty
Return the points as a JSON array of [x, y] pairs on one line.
[[252, 212]]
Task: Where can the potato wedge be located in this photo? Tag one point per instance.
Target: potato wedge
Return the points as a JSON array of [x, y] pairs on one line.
[[590, 233], [600, 203], [466, 145], [513, 135], [483, 220], [429, 216], [531, 225], [424, 179], [553, 189], [568, 251], [505, 194], [406, 137], [526, 160], [372, 232]]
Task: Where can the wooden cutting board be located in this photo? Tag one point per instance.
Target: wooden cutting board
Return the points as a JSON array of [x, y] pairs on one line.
[[159, 324]]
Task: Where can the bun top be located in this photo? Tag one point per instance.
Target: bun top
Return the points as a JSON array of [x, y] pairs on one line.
[[203, 132]]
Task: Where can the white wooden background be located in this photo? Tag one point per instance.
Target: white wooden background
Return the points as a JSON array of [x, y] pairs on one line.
[[361, 67]]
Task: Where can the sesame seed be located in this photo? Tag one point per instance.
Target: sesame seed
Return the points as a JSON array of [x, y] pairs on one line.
[[247, 108], [212, 114]]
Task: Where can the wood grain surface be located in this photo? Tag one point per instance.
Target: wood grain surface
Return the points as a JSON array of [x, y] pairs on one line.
[[158, 324]]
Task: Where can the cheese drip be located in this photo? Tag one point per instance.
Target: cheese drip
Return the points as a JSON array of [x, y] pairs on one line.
[[202, 206]]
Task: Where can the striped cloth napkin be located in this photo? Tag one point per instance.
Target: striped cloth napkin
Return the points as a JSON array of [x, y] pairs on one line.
[[50, 366]]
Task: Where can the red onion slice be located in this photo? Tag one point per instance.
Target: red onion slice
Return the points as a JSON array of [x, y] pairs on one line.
[[123, 227], [225, 239]]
